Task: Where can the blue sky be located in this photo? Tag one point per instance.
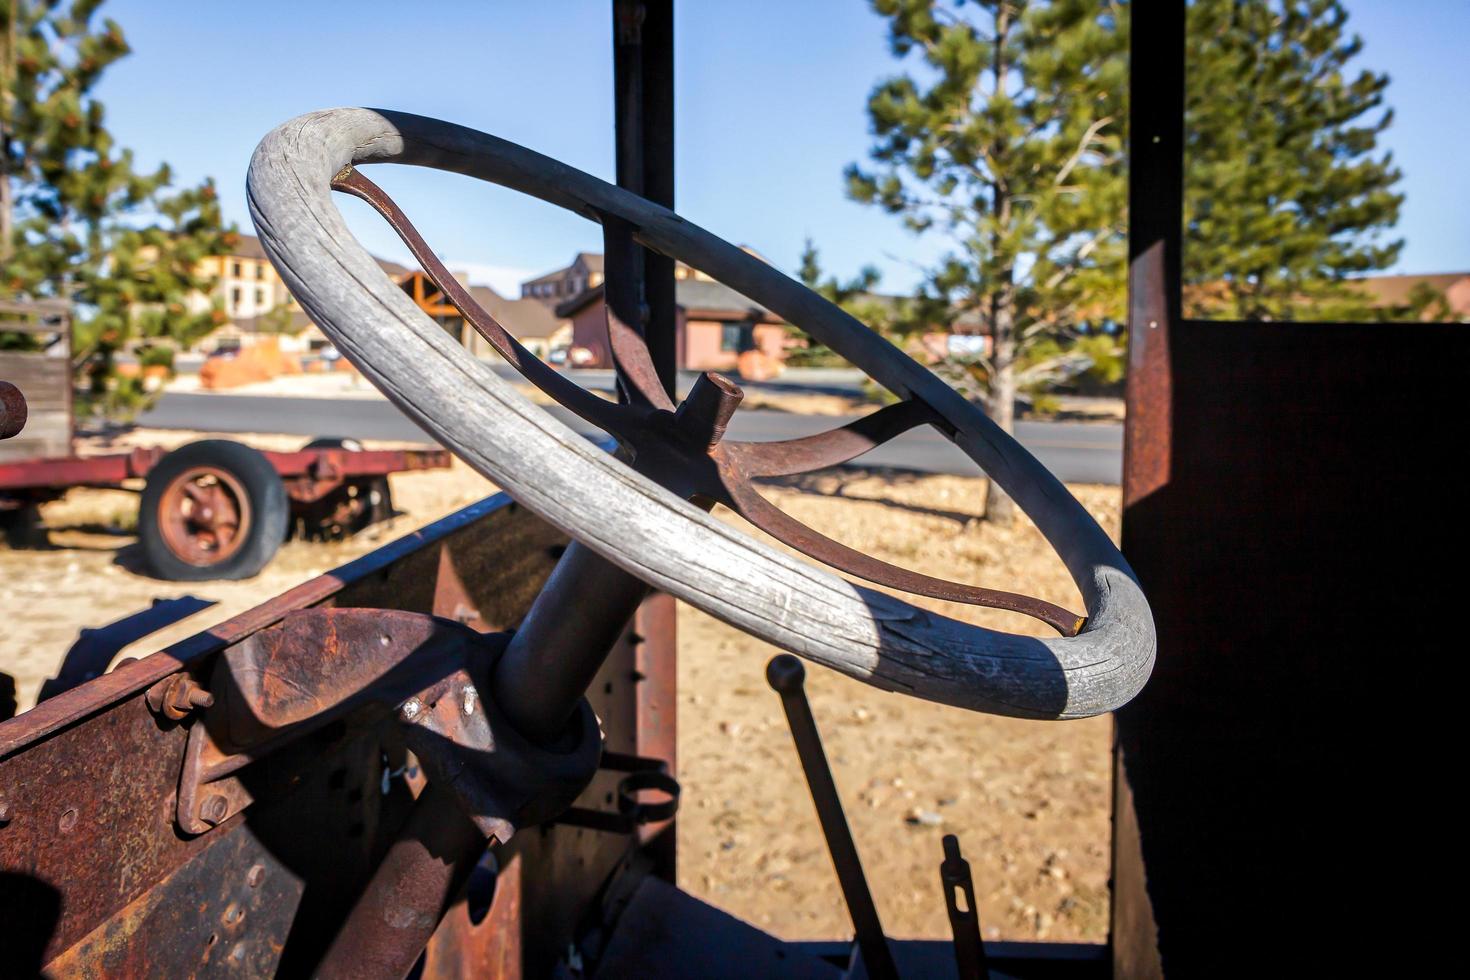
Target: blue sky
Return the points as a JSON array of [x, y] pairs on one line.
[[769, 110]]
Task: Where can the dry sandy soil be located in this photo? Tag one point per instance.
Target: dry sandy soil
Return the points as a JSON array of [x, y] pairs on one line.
[[1029, 800]]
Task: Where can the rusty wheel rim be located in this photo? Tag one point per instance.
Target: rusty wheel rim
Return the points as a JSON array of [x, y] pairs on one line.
[[204, 515]]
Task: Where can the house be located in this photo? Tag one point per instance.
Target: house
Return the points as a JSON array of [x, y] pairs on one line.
[[714, 325], [252, 295], [586, 271], [583, 273], [1403, 291], [246, 284], [532, 322]]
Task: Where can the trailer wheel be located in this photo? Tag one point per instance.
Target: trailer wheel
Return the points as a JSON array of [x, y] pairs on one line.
[[211, 510], [21, 527], [355, 506]]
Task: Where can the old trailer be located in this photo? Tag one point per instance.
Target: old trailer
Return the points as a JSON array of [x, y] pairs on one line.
[[213, 509]]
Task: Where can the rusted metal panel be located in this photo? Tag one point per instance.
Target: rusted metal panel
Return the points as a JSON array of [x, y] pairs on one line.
[[330, 826], [1293, 560], [80, 795], [90, 816], [1288, 507], [476, 939], [223, 913]]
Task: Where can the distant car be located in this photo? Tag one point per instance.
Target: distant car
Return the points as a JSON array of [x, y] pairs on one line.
[[557, 357]]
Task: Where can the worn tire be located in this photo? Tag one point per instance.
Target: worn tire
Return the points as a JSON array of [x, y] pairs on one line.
[[265, 497]]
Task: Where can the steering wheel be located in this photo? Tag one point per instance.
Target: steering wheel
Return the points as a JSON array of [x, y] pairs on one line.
[[644, 509]]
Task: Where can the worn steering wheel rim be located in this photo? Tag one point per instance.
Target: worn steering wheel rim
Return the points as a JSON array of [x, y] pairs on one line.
[[630, 520]]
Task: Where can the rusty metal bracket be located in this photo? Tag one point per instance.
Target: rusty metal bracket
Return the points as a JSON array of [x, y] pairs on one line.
[[643, 774], [361, 667]]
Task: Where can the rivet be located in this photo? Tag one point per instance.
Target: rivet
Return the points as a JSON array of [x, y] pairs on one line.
[[255, 875], [68, 820], [411, 708]]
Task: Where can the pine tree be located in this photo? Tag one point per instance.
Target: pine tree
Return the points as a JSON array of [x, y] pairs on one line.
[[889, 315], [86, 225], [1007, 139], [1285, 193]]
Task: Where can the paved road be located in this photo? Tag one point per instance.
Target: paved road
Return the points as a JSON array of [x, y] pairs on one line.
[[1090, 453]]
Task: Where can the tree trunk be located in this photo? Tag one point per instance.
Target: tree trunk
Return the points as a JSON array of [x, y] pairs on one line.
[[999, 508], [7, 59]]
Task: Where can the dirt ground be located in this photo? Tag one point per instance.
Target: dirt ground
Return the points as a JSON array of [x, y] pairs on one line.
[[1029, 800]]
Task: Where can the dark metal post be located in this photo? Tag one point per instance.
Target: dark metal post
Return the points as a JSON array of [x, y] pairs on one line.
[[564, 639], [1155, 235], [643, 83], [786, 676]]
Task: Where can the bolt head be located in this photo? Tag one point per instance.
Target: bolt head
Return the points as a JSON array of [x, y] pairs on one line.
[[214, 810], [411, 708]]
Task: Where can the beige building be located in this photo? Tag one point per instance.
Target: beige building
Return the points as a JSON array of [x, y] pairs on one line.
[[245, 281], [249, 289]]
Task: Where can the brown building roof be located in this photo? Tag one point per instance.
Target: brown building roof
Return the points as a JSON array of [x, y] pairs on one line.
[[520, 317], [1398, 290], [711, 300]]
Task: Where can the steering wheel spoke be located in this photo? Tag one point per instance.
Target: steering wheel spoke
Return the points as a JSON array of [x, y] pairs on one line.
[[746, 501], [566, 393], [625, 313], [789, 457]]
